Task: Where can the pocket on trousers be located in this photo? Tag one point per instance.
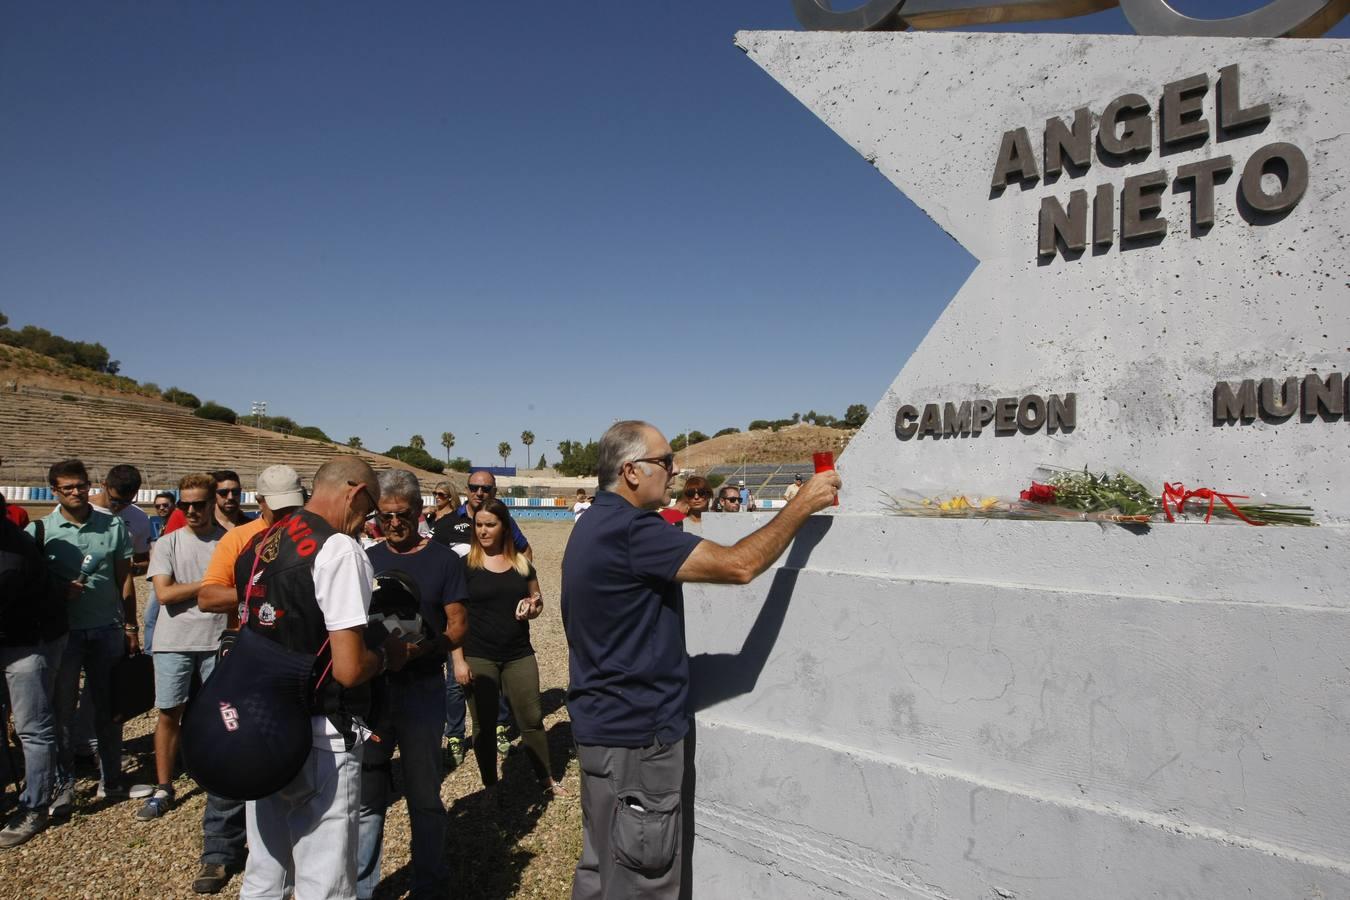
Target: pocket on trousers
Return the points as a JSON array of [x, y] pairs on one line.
[[646, 830]]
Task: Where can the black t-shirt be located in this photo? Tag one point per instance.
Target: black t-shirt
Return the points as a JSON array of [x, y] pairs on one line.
[[453, 528], [439, 573], [494, 632]]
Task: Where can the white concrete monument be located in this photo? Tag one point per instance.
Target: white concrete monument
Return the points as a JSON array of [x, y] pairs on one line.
[[933, 708]]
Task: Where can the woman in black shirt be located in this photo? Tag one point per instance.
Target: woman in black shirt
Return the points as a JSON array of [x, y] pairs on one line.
[[503, 597]]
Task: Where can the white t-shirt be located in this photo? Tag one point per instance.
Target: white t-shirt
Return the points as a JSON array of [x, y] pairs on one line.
[[182, 627], [342, 583], [578, 508]]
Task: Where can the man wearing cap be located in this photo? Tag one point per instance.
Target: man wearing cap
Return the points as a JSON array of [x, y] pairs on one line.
[[793, 488], [411, 715], [223, 831]]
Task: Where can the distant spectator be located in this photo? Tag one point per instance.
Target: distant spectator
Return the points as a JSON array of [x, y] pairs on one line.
[[697, 496], [747, 498], [581, 505], [445, 497], [412, 716], [90, 553], [728, 498], [503, 596], [229, 493], [32, 634], [164, 507], [793, 488]]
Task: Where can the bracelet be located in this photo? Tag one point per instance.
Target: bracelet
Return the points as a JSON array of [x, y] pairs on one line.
[[130, 629]]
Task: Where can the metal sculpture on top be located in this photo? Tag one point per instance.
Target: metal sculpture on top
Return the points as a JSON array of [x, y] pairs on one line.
[[1278, 18]]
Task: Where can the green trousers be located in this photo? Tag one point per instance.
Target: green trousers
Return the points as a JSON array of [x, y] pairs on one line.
[[519, 680]]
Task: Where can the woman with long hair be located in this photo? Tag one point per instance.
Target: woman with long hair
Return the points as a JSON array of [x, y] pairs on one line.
[[503, 597]]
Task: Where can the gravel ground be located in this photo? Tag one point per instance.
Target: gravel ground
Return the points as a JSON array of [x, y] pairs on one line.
[[525, 848]]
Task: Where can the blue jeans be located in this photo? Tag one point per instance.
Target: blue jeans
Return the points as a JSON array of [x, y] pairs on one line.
[[223, 832], [93, 651], [29, 674], [412, 720], [151, 617]]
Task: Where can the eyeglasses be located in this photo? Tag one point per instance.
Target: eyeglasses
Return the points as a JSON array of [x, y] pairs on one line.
[[229, 492], [163, 507], [481, 488], [697, 492], [79, 487], [386, 518], [666, 462], [195, 505], [732, 498]]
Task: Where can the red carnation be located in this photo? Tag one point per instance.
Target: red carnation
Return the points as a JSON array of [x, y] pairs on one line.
[[1039, 493]]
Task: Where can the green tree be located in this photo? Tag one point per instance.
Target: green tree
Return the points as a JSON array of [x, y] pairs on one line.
[[4, 320], [459, 464], [697, 437], [313, 432], [855, 415], [543, 463], [216, 412], [417, 442], [504, 451], [415, 456], [447, 441], [679, 442], [527, 438], [727, 431], [354, 442], [578, 459], [181, 398]]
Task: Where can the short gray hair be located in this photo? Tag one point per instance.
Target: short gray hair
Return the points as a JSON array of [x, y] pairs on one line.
[[400, 484], [622, 443]]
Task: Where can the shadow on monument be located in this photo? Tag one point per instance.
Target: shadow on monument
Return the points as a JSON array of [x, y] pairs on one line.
[[717, 677]]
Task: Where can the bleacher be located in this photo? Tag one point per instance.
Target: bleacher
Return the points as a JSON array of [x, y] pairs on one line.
[[39, 427], [766, 482]]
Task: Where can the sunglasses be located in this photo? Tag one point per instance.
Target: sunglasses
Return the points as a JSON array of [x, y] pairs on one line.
[[732, 498], [116, 502], [697, 492], [666, 462], [229, 492], [196, 505], [441, 495], [387, 518], [481, 489], [163, 506]]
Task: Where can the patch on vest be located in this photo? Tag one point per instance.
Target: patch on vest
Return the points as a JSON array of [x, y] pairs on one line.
[[230, 716], [268, 614], [270, 548]]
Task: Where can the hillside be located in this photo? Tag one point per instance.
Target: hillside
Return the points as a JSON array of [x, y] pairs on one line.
[[792, 444], [50, 412]]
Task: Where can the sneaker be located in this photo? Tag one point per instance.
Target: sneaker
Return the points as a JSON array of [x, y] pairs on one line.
[[115, 791], [503, 741], [454, 752], [21, 826], [211, 879], [63, 800], [156, 805]]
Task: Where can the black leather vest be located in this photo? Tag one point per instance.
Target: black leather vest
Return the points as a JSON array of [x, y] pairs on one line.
[[282, 606]]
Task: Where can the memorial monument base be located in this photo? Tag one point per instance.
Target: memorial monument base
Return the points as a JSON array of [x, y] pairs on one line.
[[910, 707]]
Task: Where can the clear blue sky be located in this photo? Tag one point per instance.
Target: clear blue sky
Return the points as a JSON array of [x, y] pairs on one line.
[[418, 217]]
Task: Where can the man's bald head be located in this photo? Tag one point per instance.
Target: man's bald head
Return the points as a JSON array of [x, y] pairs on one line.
[[338, 472], [345, 492]]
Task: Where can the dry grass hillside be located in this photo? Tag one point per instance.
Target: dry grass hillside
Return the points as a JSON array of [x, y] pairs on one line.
[[50, 412], [793, 444]]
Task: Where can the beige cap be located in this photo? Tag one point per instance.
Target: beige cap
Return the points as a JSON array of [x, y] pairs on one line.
[[280, 487]]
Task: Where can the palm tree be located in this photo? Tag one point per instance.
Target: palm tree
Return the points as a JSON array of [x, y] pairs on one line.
[[417, 442], [504, 451], [447, 441], [354, 442], [527, 438]]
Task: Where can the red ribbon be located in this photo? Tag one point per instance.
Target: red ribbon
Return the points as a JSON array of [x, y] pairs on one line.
[[1177, 495]]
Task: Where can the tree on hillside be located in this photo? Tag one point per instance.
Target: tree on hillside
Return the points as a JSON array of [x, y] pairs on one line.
[[417, 442], [416, 457], [447, 441], [354, 442], [527, 438], [504, 451], [855, 415], [4, 320], [697, 437], [727, 431]]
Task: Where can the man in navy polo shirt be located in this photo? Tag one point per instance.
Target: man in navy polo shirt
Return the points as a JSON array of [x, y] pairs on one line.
[[623, 611]]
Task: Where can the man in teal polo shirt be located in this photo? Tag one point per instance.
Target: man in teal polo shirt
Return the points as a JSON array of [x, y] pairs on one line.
[[89, 551]]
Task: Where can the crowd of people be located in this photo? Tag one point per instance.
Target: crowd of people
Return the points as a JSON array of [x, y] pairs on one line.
[[399, 618]]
